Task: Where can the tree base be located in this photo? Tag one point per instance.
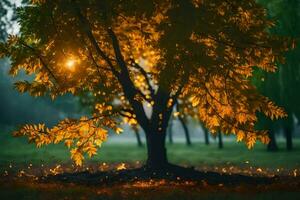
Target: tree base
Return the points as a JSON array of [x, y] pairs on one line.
[[169, 172]]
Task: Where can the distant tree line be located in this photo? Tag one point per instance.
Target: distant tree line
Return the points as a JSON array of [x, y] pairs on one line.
[[283, 86]]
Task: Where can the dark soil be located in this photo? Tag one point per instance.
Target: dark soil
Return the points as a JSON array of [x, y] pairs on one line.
[[170, 173]]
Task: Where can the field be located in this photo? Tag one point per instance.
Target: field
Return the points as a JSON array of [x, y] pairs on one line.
[[20, 159], [17, 151]]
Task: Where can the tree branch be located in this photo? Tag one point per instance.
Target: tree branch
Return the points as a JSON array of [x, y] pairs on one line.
[[145, 74], [130, 90], [40, 57], [85, 24], [123, 77]]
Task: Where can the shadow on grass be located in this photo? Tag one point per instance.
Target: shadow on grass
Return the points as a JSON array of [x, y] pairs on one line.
[[170, 173]]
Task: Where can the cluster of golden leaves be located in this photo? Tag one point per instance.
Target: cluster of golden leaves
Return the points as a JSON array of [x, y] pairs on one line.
[[220, 89], [139, 39], [229, 104], [83, 136]]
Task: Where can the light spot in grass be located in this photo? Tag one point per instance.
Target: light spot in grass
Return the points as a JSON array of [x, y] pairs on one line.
[[121, 166], [259, 170], [21, 173], [56, 170], [295, 173]]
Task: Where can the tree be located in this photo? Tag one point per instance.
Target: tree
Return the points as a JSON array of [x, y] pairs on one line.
[[139, 58], [272, 146], [182, 119], [5, 20], [206, 135], [138, 136], [220, 140], [185, 130], [283, 86], [170, 131]]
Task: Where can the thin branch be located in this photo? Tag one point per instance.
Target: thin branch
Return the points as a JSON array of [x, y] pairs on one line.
[[56, 30], [40, 57], [93, 59], [145, 74], [227, 121], [117, 51], [252, 45], [180, 88], [125, 115], [123, 77], [86, 26], [128, 110], [120, 60], [129, 88]]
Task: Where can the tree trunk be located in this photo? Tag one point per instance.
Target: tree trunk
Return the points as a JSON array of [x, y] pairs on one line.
[[186, 131], [170, 132], [289, 139], [157, 153], [220, 140], [138, 137], [272, 146], [206, 136]]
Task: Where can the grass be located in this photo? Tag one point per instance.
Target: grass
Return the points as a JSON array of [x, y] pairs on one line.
[[18, 151]]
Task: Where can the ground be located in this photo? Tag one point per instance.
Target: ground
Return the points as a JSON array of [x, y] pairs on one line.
[[22, 165]]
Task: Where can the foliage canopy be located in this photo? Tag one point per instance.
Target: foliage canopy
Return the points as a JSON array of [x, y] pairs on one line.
[[146, 55], [283, 85]]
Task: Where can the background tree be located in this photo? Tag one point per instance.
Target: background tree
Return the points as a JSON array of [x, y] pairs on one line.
[[220, 140], [183, 121], [138, 136], [5, 19], [283, 85], [170, 131], [206, 135], [137, 53]]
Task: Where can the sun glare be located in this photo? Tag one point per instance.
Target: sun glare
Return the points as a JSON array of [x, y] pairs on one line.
[[70, 64]]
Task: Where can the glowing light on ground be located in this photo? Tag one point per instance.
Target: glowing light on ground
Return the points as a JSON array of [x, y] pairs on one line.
[[121, 166]]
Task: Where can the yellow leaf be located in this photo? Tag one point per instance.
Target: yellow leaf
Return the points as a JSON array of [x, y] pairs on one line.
[[84, 129], [92, 151], [195, 101], [98, 142], [77, 156], [119, 130], [68, 143], [240, 136], [214, 121], [265, 139], [241, 118], [251, 139]]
